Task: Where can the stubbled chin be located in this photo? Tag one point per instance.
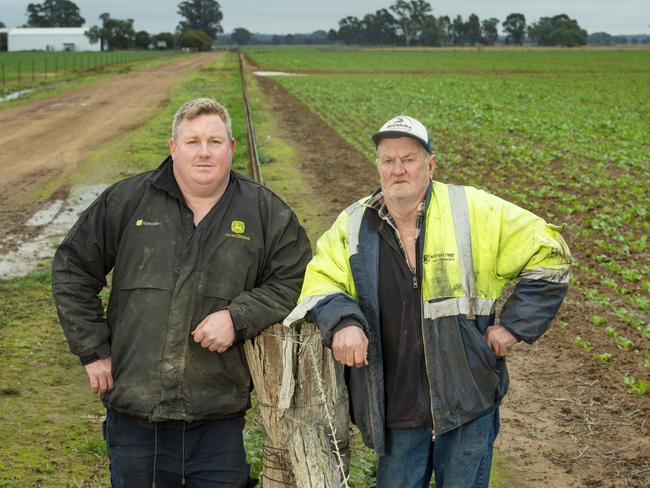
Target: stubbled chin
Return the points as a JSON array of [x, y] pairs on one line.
[[403, 193], [207, 177]]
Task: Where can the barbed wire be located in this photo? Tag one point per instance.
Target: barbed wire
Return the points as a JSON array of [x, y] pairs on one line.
[[320, 385], [302, 340]]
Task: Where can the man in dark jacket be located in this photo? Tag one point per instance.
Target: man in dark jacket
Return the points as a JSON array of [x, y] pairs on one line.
[[202, 259]]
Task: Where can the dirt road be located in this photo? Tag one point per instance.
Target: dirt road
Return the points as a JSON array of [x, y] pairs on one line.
[[48, 138]]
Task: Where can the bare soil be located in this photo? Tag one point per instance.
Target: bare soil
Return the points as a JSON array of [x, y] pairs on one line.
[[49, 138], [567, 420]]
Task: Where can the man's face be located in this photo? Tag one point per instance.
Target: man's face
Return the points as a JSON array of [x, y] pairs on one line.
[[202, 153], [405, 168]]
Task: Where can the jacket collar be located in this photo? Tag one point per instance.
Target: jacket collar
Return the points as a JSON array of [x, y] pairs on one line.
[[164, 179]]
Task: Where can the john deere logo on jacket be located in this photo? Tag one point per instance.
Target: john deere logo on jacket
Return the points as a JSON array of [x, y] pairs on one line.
[[237, 226]]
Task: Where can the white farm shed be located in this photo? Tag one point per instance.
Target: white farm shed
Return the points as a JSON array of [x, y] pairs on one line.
[[50, 39]]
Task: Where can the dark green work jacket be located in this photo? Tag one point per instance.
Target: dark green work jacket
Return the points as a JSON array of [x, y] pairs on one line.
[[248, 255]]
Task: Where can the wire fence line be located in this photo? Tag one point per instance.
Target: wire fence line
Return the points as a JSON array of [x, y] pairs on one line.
[[25, 69]]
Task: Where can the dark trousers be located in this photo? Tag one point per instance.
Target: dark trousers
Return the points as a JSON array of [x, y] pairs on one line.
[[174, 454]]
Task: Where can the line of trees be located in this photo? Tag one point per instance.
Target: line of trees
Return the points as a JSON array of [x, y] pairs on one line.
[[241, 37], [605, 39], [411, 22], [198, 29]]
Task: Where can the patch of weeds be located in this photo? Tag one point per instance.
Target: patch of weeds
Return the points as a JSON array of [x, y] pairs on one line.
[[95, 447], [254, 439], [265, 157], [363, 468]]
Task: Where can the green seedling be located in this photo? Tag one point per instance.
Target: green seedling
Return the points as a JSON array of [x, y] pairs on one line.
[[583, 344], [640, 387], [603, 357]]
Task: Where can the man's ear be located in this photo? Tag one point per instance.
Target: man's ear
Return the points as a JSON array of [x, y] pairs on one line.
[[431, 162]]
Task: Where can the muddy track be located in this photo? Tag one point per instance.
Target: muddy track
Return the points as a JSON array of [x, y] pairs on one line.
[[567, 420], [49, 138]]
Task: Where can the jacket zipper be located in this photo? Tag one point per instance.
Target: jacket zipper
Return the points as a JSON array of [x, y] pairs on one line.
[[424, 345], [424, 351]]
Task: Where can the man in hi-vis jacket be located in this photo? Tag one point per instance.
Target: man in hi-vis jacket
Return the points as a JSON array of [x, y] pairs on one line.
[[404, 286], [202, 259]]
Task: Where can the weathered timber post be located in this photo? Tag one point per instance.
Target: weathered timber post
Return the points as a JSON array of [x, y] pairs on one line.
[[303, 405]]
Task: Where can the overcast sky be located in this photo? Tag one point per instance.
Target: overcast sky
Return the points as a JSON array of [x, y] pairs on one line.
[[292, 16]]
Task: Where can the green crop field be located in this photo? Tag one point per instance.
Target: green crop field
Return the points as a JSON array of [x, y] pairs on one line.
[[448, 61], [563, 133]]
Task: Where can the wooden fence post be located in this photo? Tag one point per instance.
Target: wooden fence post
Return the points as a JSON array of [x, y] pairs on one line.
[[303, 405]]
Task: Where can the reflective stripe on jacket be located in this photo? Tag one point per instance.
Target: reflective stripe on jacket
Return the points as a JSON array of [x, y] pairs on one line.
[[472, 244]]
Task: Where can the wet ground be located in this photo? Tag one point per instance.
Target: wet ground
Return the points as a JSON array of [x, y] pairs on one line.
[[45, 230]]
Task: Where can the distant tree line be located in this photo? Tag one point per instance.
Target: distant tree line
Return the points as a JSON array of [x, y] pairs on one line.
[[605, 39], [242, 37], [411, 22], [198, 29]]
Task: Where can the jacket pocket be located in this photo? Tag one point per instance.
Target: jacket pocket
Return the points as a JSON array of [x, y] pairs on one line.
[[463, 372], [218, 288], [475, 344]]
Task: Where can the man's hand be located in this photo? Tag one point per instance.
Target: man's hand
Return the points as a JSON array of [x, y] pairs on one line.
[[215, 332], [350, 346], [100, 375], [499, 340]]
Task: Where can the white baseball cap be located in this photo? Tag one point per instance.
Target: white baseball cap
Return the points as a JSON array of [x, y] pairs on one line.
[[401, 126]]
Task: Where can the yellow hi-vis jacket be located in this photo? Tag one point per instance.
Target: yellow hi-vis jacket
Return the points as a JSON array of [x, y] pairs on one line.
[[471, 244]]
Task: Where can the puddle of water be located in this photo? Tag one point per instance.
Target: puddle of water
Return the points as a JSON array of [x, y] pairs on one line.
[[56, 220], [45, 215], [276, 73], [14, 95]]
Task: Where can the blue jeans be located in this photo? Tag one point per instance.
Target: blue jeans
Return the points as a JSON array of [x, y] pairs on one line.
[[198, 454], [461, 458]]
